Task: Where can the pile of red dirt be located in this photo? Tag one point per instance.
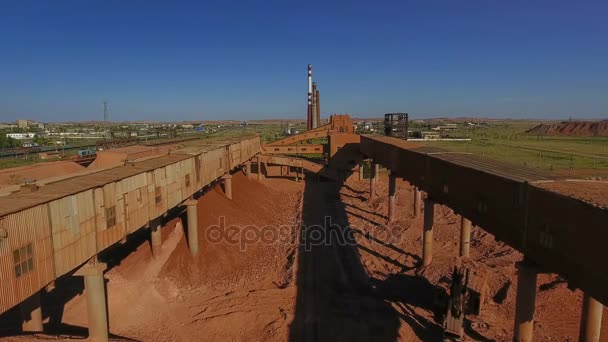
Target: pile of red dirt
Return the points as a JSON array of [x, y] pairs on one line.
[[240, 287], [572, 128], [40, 171], [118, 156]]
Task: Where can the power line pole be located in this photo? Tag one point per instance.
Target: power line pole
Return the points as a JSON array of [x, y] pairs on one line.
[[106, 115]]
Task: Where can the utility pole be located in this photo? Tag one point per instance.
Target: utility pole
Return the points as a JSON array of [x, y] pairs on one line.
[[106, 115]]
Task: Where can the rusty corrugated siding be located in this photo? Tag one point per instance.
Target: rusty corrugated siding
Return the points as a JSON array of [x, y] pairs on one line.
[[66, 222], [157, 179], [23, 228], [73, 230]]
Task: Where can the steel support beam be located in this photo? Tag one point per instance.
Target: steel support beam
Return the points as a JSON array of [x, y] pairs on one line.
[[465, 236], [525, 302], [591, 320], [427, 234], [31, 314]]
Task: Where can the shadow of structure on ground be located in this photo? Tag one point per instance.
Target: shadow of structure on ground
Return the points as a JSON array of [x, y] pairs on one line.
[[336, 298]]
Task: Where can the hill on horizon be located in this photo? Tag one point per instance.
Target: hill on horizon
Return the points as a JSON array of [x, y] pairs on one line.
[[572, 128]]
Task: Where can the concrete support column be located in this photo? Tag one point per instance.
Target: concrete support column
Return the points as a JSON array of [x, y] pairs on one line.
[[392, 189], [361, 171], [95, 288], [591, 320], [31, 314], [156, 239], [248, 169], [259, 170], [417, 201], [372, 181], [376, 172], [525, 302], [427, 235], [228, 185], [465, 236], [192, 226]]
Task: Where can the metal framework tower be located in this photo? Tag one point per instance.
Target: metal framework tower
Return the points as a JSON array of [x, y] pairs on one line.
[[396, 125]]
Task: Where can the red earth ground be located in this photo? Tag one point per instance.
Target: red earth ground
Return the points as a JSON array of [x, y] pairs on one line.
[[370, 289]]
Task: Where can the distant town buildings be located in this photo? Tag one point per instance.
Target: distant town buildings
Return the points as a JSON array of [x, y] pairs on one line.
[[446, 127], [22, 123], [20, 136]]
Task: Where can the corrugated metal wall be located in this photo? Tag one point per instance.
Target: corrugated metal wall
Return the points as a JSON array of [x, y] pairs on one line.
[[73, 229], [106, 197], [135, 194], [58, 236], [188, 179], [29, 231], [174, 185], [157, 192]]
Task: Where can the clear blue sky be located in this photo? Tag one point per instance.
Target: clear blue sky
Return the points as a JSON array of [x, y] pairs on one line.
[[173, 60]]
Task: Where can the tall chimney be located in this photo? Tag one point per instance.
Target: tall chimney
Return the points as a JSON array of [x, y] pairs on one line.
[[310, 114], [318, 106], [315, 123]]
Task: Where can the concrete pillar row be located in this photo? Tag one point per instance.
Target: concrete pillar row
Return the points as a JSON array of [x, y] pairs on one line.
[[392, 189], [31, 314], [427, 234], [227, 185], [95, 289], [525, 302], [417, 201], [156, 239], [465, 236], [591, 320], [192, 226], [248, 169]]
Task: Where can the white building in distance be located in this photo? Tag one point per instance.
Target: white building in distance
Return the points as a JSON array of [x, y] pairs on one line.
[[20, 136]]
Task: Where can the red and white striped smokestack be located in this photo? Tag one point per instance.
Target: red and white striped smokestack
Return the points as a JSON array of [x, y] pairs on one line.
[[310, 113]]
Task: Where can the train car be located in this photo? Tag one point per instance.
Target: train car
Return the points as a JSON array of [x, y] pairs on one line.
[[87, 153]]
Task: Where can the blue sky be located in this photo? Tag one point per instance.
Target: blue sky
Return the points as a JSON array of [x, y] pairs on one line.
[[203, 60]]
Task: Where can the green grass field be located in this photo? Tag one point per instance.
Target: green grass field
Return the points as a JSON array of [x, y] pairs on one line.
[[507, 141]]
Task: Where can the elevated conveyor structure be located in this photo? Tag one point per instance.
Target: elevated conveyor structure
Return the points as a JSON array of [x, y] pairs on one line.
[[559, 233]]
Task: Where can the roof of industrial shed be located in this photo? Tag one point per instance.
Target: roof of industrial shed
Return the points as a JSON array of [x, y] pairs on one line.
[[66, 187]]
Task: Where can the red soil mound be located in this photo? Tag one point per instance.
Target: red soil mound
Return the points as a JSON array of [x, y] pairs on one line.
[[572, 128], [17, 175]]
